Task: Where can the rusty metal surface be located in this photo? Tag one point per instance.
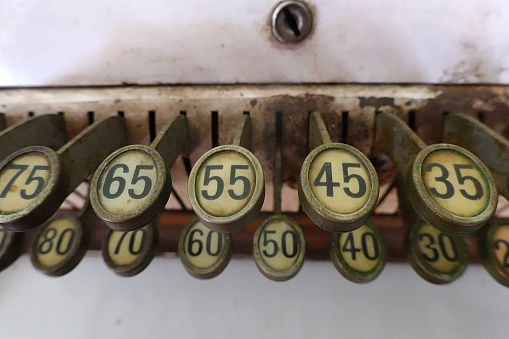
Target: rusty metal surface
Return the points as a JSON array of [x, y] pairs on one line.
[[424, 105]]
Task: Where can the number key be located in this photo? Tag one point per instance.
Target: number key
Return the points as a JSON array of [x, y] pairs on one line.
[[279, 247], [493, 245], [203, 252], [129, 253], [359, 255]]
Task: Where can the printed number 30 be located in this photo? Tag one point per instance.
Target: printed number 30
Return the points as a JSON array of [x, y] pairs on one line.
[[220, 183]]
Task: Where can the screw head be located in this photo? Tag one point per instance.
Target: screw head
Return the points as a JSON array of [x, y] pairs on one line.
[[291, 21]]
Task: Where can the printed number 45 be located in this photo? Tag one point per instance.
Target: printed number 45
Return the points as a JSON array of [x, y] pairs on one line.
[[208, 178], [326, 171]]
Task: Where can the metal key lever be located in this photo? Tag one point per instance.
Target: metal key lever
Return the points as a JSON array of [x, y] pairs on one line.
[[34, 181], [279, 245], [132, 185], [226, 186], [493, 150], [435, 178], [338, 185]]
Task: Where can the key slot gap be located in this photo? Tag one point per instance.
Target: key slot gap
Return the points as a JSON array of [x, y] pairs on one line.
[[152, 125], [344, 126], [412, 114], [30, 114], [90, 117], [214, 116]]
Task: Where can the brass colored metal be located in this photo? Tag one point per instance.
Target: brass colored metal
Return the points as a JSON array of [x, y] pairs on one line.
[[485, 143], [204, 255], [238, 195], [279, 245], [43, 130], [437, 257], [435, 210], [60, 244], [129, 253], [334, 211], [131, 209], [394, 138], [493, 247], [44, 178], [368, 253]]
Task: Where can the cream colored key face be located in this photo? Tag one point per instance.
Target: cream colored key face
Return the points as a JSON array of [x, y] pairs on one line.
[[129, 253], [126, 182], [226, 188], [59, 245], [436, 256], [359, 255], [338, 187], [22, 181], [339, 181], [451, 189], [225, 183], [203, 252], [455, 182], [279, 247], [493, 245]]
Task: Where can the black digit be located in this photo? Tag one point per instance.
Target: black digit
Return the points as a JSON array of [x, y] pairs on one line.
[[443, 248], [69, 242], [110, 179], [32, 177], [461, 180], [284, 249], [209, 243], [365, 247], [133, 239], [449, 188], [137, 177], [234, 179], [327, 170], [117, 248], [194, 241], [429, 246], [506, 257], [349, 246], [207, 179], [267, 241], [21, 169], [360, 180], [47, 241]]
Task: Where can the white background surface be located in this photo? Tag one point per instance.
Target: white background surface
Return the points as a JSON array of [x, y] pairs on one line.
[[166, 302], [98, 42]]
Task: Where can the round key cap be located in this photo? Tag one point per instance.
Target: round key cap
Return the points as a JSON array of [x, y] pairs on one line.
[[279, 247], [359, 255], [338, 187], [226, 188], [203, 252], [129, 253], [29, 184], [59, 245], [130, 187], [493, 245], [11, 247], [451, 189], [437, 257]]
